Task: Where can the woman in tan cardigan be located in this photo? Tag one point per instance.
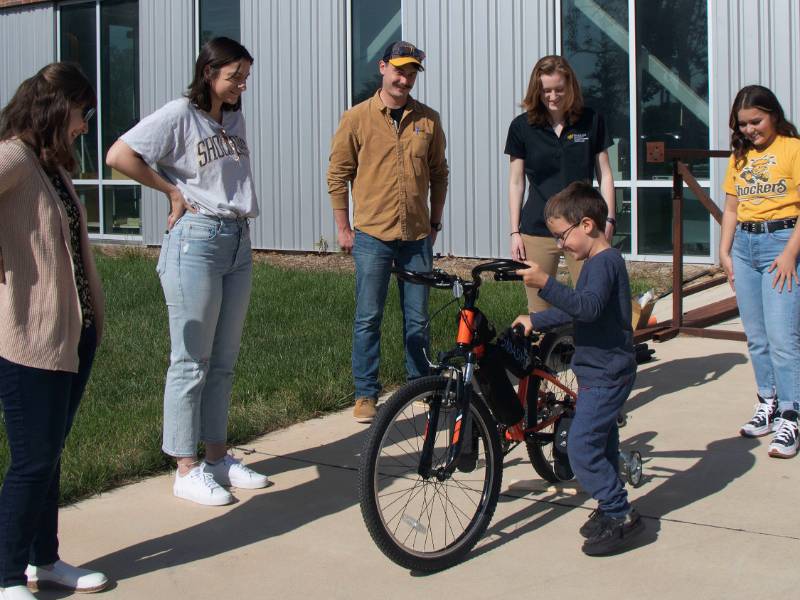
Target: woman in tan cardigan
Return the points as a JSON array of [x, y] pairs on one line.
[[51, 319]]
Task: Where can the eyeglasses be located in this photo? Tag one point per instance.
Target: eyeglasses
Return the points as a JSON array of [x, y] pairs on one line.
[[402, 50], [238, 79], [561, 238], [87, 116]]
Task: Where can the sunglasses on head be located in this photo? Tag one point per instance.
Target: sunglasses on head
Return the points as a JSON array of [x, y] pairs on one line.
[[404, 50], [88, 114]]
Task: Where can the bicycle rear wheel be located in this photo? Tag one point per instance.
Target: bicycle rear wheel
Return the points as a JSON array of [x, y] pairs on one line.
[[556, 351], [427, 524]]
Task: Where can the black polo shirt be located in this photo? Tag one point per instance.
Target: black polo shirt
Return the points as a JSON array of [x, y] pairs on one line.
[[552, 162]]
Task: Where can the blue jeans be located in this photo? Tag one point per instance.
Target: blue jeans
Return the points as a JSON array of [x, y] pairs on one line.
[[374, 260], [593, 445], [771, 318], [206, 273], [39, 407]]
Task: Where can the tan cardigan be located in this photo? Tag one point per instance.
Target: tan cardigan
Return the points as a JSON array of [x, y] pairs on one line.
[[40, 314]]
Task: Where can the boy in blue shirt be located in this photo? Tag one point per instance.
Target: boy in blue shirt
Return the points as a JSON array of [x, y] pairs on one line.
[[604, 362]]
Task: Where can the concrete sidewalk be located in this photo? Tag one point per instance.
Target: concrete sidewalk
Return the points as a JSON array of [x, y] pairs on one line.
[[721, 515]]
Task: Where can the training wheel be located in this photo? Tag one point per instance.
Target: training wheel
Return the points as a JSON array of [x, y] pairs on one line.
[[633, 471]]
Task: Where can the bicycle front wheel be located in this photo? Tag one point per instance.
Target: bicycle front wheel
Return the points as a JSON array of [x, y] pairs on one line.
[[427, 524]]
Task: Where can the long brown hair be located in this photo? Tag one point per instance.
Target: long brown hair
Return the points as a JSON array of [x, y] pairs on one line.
[[215, 54], [762, 98], [38, 113], [532, 103]]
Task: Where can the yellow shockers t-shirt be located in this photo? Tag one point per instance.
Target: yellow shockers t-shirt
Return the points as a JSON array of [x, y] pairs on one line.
[[766, 185]]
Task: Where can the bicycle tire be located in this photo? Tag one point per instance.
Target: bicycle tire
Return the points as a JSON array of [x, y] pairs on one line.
[[388, 477], [556, 351]]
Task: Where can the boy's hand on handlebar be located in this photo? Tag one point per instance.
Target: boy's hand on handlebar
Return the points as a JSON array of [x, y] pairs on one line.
[[534, 276], [525, 321]]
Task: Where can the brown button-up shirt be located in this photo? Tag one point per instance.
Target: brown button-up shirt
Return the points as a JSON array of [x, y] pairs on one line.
[[391, 169]]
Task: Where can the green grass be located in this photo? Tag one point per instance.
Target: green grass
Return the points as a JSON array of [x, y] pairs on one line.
[[294, 364]]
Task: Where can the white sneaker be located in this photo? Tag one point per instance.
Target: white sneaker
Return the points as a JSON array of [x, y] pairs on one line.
[[199, 486], [63, 576], [16, 592], [231, 471], [785, 442], [763, 420]]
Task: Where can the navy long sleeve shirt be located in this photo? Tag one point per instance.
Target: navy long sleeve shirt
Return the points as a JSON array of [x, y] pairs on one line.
[[600, 308]]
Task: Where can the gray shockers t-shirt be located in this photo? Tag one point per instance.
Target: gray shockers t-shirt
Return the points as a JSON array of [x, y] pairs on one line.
[[209, 162]]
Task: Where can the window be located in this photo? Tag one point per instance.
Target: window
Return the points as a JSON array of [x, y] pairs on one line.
[[374, 26], [670, 102], [219, 18], [103, 38]]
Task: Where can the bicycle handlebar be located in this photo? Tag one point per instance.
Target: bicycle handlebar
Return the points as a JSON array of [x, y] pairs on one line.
[[504, 270]]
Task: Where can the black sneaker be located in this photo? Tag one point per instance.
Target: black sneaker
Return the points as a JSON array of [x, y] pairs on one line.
[[614, 533], [593, 524], [785, 442], [763, 418]]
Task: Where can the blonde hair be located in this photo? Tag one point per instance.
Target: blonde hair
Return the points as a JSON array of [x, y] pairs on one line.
[[532, 103]]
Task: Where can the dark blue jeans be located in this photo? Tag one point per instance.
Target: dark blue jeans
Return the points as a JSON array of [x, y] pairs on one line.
[[594, 445], [39, 407], [374, 260]]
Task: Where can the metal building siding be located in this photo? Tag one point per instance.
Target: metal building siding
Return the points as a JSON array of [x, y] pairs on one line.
[[166, 59], [753, 43], [296, 94], [479, 57], [27, 43]]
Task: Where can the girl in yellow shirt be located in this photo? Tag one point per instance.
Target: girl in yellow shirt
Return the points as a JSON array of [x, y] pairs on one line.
[[759, 249]]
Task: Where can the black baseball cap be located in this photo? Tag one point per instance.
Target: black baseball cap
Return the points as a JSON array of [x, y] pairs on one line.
[[404, 53]]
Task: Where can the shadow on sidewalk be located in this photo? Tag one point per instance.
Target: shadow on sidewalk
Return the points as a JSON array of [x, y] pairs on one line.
[[720, 464], [270, 513], [276, 511], [671, 376]]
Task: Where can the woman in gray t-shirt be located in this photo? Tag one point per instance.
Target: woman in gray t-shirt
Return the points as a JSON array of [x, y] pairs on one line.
[[195, 151]]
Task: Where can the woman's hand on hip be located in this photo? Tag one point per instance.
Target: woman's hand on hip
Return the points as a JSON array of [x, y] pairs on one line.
[[785, 267], [177, 206]]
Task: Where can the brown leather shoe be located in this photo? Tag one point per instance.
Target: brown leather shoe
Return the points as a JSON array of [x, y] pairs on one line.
[[364, 410]]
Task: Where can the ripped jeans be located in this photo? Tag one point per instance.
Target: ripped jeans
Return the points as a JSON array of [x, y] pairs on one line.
[[205, 268]]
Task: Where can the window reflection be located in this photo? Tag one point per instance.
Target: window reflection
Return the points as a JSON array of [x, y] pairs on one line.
[[90, 198], [219, 18], [79, 45], [655, 223], [119, 36], [375, 26], [121, 209], [622, 232], [595, 42], [673, 80]]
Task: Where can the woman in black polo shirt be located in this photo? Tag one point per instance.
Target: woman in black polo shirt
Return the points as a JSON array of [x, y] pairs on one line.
[[556, 141]]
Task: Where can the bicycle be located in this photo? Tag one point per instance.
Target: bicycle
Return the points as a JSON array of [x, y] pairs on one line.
[[431, 467]]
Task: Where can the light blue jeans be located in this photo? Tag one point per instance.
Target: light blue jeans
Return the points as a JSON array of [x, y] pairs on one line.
[[374, 260], [771, 318], [205, 268]]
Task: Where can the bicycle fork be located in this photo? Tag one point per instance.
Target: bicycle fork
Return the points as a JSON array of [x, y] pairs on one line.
[[459, 431]]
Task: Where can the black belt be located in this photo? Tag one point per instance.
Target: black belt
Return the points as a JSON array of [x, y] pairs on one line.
[[767, 226]]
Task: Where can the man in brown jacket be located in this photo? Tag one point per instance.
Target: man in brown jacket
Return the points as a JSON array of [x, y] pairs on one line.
[[391, 150]]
